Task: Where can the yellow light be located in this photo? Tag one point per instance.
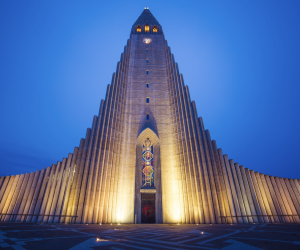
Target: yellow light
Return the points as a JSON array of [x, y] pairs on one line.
[[202, 233], [119, 224], [86, 224], [100, 224], [111, 224], [178, 224], [98, 239]]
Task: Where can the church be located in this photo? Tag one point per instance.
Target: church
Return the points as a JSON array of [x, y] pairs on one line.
[[148, 158]]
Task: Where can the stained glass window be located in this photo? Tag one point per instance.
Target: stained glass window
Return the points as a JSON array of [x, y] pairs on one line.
[[147, 165]]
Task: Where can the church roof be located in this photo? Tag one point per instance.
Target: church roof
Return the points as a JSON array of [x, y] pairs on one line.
[[146, 18]]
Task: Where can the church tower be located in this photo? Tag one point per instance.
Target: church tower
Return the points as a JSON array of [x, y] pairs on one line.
[[147, 158]]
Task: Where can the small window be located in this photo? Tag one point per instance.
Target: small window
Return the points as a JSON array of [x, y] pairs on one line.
[[146, 28], [139, 29], [147, 117], [147, 50], [147, 100], [154, 29], [147, 60], [147, 72], [147, 85]]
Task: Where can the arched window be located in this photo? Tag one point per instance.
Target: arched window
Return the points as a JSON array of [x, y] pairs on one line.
[[139, 29], [148, 165], [154, 29], [146, 28]]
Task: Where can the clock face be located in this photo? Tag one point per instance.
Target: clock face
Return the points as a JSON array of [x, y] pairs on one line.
[[147, 40]]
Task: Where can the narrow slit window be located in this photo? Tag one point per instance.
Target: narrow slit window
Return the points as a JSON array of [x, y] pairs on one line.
[[147, 60], [147, 50], [146, 28], [147, 100], [154, 29], [147, 72], [147, 85], [147, 117], [139, 29]]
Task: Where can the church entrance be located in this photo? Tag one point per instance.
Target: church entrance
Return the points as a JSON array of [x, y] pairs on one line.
[[148, 208]]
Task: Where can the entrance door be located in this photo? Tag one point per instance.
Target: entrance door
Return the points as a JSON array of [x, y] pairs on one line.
[[148, 208]]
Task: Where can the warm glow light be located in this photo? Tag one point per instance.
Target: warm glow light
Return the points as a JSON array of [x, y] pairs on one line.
[[98, 239], [146, 28], [100, 224], [119, 224]]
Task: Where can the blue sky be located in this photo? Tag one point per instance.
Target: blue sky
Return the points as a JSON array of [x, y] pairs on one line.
[[240, 59]]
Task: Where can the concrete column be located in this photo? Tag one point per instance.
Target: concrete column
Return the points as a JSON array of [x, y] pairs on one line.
[[236, 200], [92, 178], [253, 195], [109, 207], [230, 199], [269, 198], [280, 200], [44, 197], [293, 186], [244, 194], [25, 196], [284, 201], [63, 192], [51, 193], [297, 184], [204, 218], [8, 195], [222, 185], [293, 197], [259, 197], [211, 182], [1, 180], [14, 198], [239, 194], [273, 195], [216, 178], [70, 208], [30, 195], [194, 157], [57, 191], [3, 188], [186, 193], [86, 172], [38, 194], [20, 197], [289, 200], [264, 196], [66, 199], [80, 173]]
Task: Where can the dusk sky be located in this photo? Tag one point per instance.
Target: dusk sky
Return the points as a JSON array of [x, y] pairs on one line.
[[240, 59]]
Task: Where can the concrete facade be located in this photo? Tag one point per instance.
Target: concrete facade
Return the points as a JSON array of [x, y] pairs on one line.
[[101, 181]]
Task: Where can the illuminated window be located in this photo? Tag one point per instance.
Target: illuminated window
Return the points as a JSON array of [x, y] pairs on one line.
[[139, 29], [147, 85], [147, 50], [147, 100], [147, 72], [148, 165], [154, 29], [147, 117], [146, 28], [147, 60]]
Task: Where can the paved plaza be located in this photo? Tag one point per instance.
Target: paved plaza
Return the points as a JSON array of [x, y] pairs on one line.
[[156, 236]]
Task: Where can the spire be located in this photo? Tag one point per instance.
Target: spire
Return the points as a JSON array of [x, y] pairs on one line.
[[146, 18]]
